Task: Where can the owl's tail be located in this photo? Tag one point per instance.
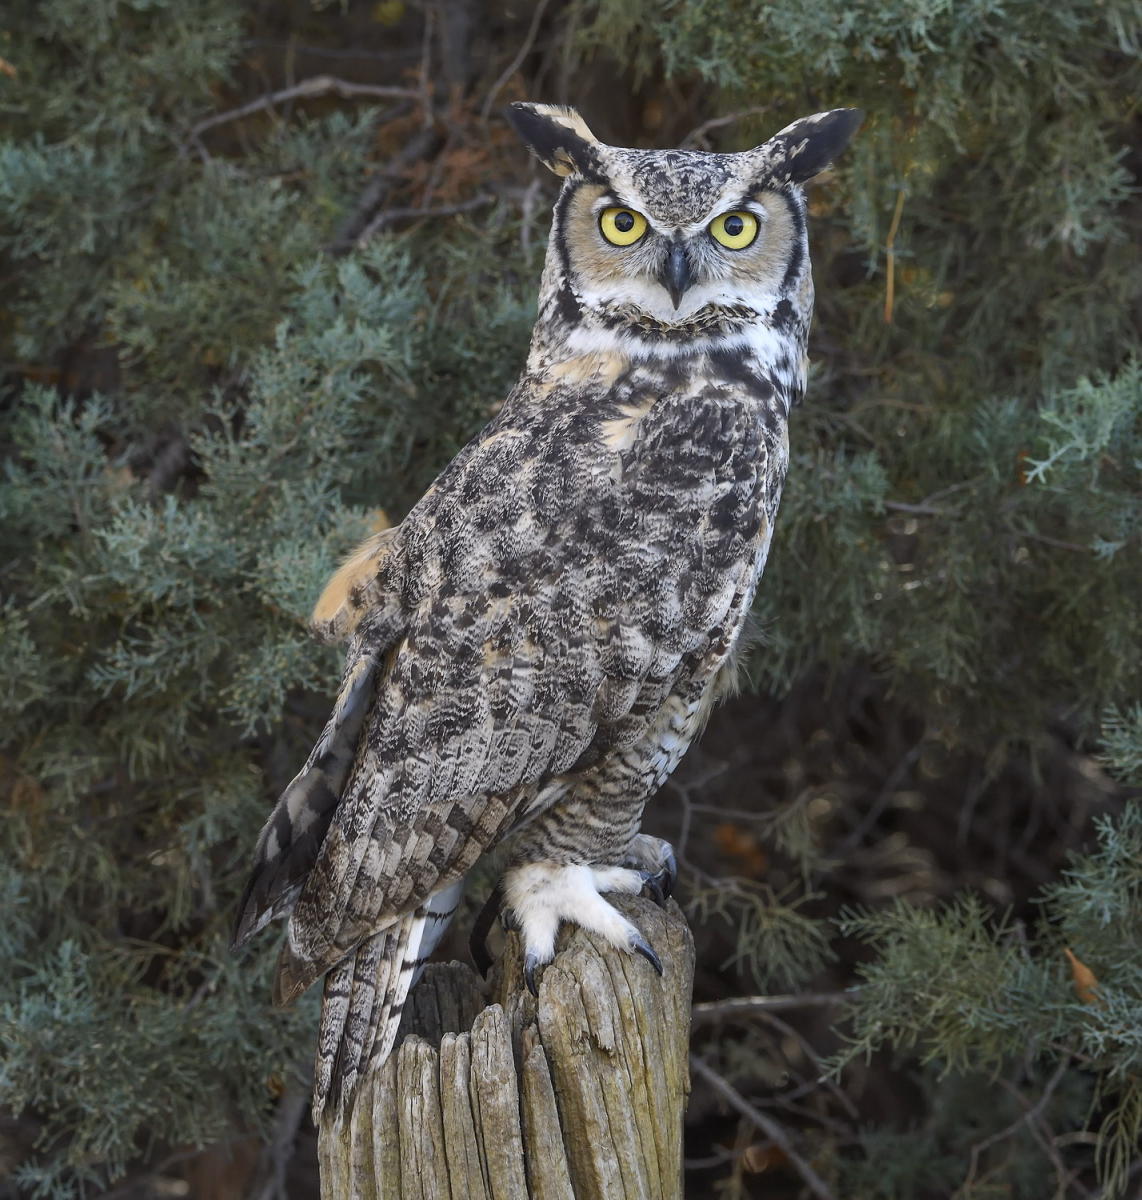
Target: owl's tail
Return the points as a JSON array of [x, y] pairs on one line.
[[364, 998]]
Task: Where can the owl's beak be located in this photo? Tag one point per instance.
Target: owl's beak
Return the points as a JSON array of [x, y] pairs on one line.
[[675, 276]]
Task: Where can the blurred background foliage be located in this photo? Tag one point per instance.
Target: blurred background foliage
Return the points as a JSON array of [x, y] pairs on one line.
[[264, 267]]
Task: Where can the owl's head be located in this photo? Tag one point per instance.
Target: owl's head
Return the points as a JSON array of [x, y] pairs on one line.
[[677, 247]]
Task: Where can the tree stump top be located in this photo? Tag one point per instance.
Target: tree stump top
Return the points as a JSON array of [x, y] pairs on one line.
[[496, 1095]]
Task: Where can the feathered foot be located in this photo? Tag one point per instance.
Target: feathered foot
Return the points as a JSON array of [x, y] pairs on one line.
[[541, 895]]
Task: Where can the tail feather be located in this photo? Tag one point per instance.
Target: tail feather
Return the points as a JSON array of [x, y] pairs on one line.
[[365, 996], [334, 1012], [385, 993], [350, 992]]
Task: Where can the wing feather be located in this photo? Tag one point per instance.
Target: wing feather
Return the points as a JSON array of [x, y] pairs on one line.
[[535, 640], [291, 838]]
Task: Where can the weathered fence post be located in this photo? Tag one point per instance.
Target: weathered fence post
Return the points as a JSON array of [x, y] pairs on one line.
[[577, 1096]]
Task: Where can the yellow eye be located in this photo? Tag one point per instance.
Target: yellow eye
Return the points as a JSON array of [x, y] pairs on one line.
[[622, 226], [734, 230]]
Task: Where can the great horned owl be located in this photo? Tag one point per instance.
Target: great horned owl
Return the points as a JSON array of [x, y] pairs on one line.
[[533, 650]]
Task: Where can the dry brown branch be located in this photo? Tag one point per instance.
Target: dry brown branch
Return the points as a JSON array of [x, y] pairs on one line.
[[271, 1182], [514, 65], [392, 215], [822, 1078], [1029, 1116], [890, 244], [698, 134], [744, 1006], [308, 89], [353, 228], [920, 510], [767, 1125]]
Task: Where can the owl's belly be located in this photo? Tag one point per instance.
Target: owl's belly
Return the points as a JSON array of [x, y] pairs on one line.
[[706, 676]]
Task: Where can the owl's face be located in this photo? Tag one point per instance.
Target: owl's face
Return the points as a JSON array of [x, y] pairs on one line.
[[678, 242], [669, 234]]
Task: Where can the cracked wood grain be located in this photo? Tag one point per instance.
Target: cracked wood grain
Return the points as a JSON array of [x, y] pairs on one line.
[[494, 1095]]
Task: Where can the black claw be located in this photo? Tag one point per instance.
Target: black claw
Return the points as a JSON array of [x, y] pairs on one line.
[[530, 962], [481, 927], [669, 872], [658, 885], [652, 885], [643, 947]]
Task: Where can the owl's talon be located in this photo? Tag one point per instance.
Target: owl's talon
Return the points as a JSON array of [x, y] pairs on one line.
[[542, 895], [655, 861], [530, 962], [653, 886], [669, 870], [643, 947]]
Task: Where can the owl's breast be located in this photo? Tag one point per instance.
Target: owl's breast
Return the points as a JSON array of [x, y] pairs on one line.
[[704, 465]]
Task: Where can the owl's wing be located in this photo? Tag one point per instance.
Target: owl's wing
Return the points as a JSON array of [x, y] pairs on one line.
[[291, 838], [488, 698], [489, 695], [539, 599]]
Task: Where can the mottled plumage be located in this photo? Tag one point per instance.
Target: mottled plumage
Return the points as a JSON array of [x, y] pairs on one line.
[[533, 650]]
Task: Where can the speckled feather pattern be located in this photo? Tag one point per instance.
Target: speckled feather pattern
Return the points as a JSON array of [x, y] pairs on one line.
[[534, 649]]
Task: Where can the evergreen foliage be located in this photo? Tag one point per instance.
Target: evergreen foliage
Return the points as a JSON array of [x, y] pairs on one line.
[[202, 407], [968, 993]]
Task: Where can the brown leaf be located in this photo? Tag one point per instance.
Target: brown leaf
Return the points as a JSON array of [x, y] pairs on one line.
[[1085, 980], [763, 1156], [742, 845]]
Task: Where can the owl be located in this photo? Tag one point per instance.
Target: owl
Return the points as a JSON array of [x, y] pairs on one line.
[[532, 651]]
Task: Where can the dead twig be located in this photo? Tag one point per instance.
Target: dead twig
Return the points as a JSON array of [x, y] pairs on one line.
[[744, 1006], [699, 133], [1026, 1118], [422, 145], [890, 243], [271, 1182], [527, 213], [920, 510], [424, 75], [883, 799], [927, 506], [391, 215], [456, 21], [1045, 1136], [522, 53], [308, 89], [787, 1030], [1074, 547], [767, 1125]]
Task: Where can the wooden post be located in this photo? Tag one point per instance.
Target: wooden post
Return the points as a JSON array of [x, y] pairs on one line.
[[493, 1095]]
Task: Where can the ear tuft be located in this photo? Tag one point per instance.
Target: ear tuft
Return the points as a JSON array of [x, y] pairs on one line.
[[557, 136], [808, 146]]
